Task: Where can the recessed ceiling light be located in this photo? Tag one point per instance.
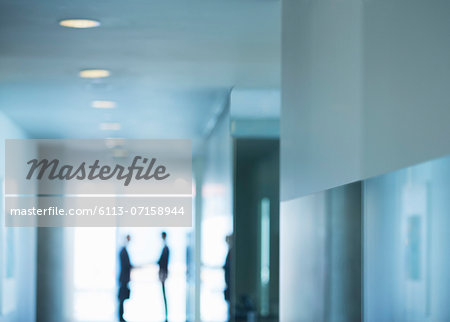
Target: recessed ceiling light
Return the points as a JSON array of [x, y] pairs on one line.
[[110, 126], [94, 73], [79, 23], [103, 104]]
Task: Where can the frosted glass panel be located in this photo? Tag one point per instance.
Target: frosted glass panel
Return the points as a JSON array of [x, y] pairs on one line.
[[407, 233]]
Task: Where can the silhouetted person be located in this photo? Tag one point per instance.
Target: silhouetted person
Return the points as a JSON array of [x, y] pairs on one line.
[[124, 277], [227, 273], [163, 263]]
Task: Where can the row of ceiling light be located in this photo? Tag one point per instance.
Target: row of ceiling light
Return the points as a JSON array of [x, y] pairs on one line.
[[93, 73]]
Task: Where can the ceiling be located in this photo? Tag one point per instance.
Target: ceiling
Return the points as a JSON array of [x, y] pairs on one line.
[[172, 62]]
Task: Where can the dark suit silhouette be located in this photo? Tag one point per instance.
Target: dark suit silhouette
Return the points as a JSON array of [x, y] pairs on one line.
[[124, 279], [227, 267], [163, 263], [227, 273]]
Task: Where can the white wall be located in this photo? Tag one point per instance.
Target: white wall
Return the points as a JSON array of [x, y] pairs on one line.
[[366, 89], [321, 114], [21, 296]]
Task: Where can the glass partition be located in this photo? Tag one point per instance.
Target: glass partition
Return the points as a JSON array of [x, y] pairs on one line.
[[407, 230]]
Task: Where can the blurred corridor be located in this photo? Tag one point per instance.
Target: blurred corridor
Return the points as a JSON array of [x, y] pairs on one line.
[[309, 139]]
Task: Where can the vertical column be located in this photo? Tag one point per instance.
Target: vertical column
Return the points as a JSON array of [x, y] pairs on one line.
[[51, 274], [321, 255]]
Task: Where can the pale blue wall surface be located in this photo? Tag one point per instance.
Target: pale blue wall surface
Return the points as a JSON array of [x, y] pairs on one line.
[[406, 238], [21, 295]]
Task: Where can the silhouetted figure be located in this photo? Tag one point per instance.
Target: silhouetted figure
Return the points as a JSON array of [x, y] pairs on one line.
[[227, 273], [163, 263], [124, 277]]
